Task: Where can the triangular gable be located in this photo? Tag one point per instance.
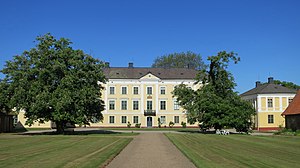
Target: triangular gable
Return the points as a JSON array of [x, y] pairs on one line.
[[150, 76]]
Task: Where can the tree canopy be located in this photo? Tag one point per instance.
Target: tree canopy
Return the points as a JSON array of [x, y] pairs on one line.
[[290, 85], [179, 60], [54, 82], [215, 104]]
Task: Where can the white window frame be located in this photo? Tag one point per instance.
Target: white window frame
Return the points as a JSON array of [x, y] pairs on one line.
[[163, 121], [125, 120], [114, 90], [113, 103], [147, 91], [138, 105], [163, 88], [126, 90], [176, 104], [270, 119], [160, 103], [114, 117], [175, 120], [134, 121], [271, 103], [138, 90], [122, 104], [149, 105]]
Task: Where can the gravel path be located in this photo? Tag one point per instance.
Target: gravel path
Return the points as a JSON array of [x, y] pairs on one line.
[[150, 150]]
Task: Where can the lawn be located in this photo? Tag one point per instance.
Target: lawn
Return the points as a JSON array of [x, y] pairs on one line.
[[239, 150], [60, 150]]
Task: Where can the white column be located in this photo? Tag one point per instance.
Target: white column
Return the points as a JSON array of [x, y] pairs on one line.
[[142, 97], [156, 99]]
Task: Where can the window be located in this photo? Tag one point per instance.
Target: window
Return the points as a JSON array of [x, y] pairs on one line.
[[270, 119], [135, 119], [111, 90], [124, 119], [163, 90], [270, 102], [135, 90], [111, 105], [124, 105], [176, 105], [111, 119], [176, 119], [135, 105], [149, 105], [124, 90], [163, 119], [290, 100], [163, 105], [149, 90]]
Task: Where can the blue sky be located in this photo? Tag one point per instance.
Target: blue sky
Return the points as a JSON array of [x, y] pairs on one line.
[[264, 33]]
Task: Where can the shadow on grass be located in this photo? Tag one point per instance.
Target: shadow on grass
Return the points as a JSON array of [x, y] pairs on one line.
[[81, 132]]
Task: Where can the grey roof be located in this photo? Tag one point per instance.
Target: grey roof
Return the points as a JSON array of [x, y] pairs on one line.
[[268, 88], [137, 73]]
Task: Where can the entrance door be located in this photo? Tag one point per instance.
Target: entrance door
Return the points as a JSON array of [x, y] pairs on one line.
[[149, 121]]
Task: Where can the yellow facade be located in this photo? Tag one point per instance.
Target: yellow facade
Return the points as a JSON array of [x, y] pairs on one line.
[[269, 108]]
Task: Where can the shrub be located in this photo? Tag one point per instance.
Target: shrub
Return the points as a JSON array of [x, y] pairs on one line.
[[138, 125], [159, 123], [128, 125], [183, 124], [171, 124]]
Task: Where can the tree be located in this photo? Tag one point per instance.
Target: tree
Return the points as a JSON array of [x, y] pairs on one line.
[[179, 60], [215, 104], [290, 85], [54, 82]]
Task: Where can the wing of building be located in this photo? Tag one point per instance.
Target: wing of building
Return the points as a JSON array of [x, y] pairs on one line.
[[144, 95], [269, 100], [292, 114]]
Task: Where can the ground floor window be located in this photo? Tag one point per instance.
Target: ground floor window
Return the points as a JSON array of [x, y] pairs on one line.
[[124, 119], [270, 119], [176, 119], [163, 119], [135, 119], [111, 119]]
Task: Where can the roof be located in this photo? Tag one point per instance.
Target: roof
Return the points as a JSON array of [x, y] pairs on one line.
[[294, 107], [137, 73], [269, 88]]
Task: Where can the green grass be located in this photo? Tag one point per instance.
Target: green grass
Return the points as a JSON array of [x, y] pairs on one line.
[[238, 150], [93, 150]]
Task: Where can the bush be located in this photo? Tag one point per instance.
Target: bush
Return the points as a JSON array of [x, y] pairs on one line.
[[171, 124], [183, 124], [138, 125], [128, 125], [159, 123]]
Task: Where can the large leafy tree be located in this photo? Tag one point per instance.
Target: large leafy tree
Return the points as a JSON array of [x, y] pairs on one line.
[[215, 104], [290, 85], [54, 82], [179, 60]]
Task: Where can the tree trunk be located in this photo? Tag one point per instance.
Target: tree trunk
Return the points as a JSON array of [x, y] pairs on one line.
[[59, 127]]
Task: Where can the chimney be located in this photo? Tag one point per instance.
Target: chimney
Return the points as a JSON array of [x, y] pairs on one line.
[[257, 83], [270, 80], [107, 64], [130, 65]]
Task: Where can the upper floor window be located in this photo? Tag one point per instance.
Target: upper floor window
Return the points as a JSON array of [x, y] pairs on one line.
[[135, 90], [270, 102], [270, 119], [124, 90], [163, 105], [135, 105], [176, 105], [124, 105], [149, 105], [149, 90], [111, 105], [111, 90], [162, 90], [290, 100]]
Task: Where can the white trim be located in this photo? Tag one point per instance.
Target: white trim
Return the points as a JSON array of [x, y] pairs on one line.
[[114, 90], [121, 119], [126, 104], [156, 99], [133, 119], [133, 89], [133, 104], [114, 119], [121, 93], [160, 89], [142, 99]]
